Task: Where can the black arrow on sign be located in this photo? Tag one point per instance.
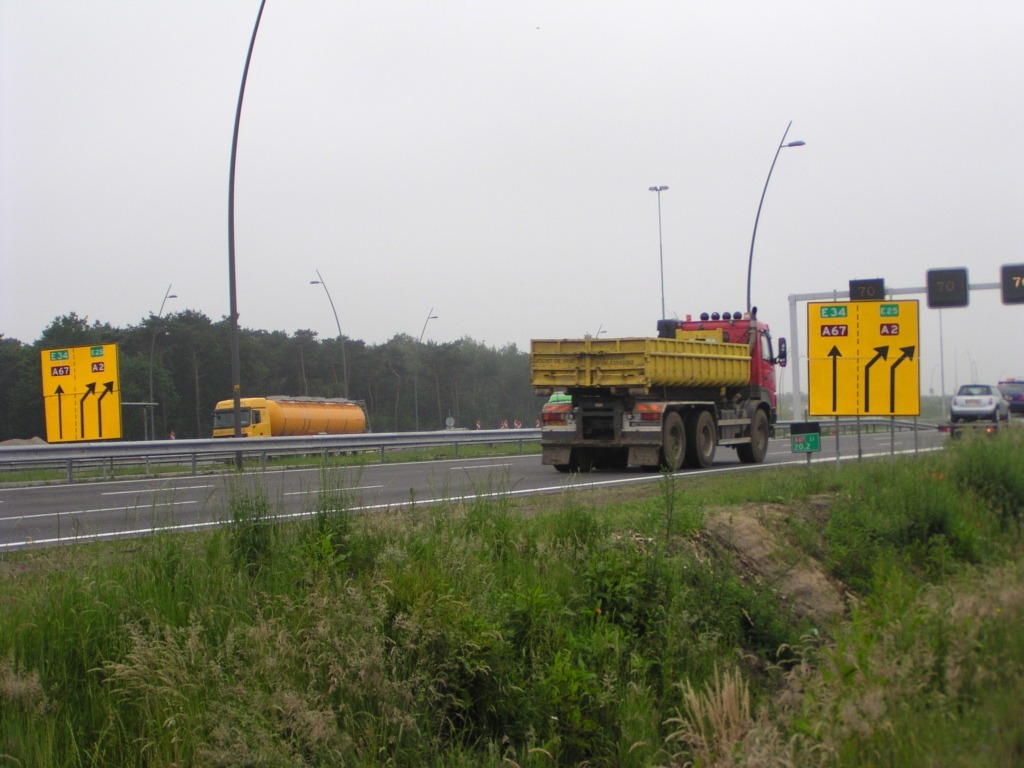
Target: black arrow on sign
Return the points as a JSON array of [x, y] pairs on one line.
[[60, 413], [834, 353], [107, 388], [908, 354], [883, 354], [90, 389]]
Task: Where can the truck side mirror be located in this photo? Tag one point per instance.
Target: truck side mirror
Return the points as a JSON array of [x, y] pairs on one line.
[[781, 359]]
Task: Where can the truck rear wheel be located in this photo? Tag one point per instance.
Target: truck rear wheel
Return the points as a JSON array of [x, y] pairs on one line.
[[673, 442], [755, 451], [701, 435]]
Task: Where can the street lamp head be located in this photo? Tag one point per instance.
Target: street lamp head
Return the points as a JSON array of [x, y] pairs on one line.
[[795, 144], [173, 296], [314, 282], [656, 189]]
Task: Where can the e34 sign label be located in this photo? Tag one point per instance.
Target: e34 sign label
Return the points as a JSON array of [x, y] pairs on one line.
[[864, 358], [82, 393]]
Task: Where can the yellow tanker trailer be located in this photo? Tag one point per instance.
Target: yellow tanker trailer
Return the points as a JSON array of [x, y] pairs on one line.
[[279, 416]]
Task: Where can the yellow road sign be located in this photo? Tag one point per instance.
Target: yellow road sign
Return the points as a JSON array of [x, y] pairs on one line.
[[82, 393], [864, 358]]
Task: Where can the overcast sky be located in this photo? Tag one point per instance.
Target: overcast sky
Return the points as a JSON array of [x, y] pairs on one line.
[[492, 161]]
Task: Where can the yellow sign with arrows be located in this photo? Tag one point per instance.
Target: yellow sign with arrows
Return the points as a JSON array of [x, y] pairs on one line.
[[864, 358], [82, 393]]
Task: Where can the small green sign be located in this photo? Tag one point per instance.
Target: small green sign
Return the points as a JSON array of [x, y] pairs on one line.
[[809, 443], [890, 310], [96, 351], [60, 354], [830, 311]]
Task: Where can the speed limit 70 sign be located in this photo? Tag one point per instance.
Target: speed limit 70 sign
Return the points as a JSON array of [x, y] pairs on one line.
[[1013, 283], [947, 288]]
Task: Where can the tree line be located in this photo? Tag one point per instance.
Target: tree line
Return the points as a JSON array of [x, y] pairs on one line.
[[465, 379]]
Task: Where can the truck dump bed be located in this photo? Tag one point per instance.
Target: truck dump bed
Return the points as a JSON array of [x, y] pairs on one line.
[[637, 362]]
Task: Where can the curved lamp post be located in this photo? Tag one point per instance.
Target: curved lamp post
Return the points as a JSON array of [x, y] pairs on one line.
[[750, 263], [344, 362], [416, 373], [236, 367], [152, 350], [661, 256]]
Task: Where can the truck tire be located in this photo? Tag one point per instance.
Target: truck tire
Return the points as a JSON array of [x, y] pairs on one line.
[[564, 468], [755, 451], [673, 442], [701, 439]]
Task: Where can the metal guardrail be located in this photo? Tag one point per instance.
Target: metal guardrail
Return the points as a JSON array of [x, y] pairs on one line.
[[849, 426], [162, 451]]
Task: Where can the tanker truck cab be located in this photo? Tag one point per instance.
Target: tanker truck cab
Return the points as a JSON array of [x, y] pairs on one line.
[[665, 402], [254, 420]]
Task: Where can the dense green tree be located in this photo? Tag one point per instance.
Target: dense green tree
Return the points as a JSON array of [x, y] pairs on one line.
[[465, 379]]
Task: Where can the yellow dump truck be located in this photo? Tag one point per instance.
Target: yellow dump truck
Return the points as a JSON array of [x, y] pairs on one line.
[[666, 401], [278, 415]]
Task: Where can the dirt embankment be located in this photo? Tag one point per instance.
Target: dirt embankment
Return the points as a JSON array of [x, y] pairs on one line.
[[767, 558]]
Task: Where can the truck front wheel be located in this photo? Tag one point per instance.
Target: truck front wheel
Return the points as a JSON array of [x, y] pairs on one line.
[[701, 435], [673, 442], [755, 451]]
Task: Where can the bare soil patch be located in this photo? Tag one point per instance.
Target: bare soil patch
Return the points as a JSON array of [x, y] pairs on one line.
[[769, 560]]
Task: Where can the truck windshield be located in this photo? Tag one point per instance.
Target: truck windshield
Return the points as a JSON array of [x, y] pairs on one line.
[[226, 419]]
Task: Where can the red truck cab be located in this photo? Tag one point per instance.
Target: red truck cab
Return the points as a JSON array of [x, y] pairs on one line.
[[738, 328]]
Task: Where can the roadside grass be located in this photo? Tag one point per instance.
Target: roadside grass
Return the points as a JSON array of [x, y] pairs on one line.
[[439, 453], [537, 632]]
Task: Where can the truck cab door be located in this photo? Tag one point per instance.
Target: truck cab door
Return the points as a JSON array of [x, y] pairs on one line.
[[766, 364]]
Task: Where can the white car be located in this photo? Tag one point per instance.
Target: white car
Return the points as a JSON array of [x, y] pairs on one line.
[[978, 401]]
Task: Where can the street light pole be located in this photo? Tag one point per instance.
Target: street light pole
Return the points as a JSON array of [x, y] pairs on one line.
[[416, 372], [152, 349], [344, 362], [661, 253], [236, 367], [750, 262]]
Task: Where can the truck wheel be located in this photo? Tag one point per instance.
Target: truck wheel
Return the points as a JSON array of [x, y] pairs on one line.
[[564, 468], [673, 442], [701, 435], [755, 451]]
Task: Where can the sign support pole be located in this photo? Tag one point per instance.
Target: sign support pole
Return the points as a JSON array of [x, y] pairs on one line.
[[860, 453], [837, 442], [892, 437]]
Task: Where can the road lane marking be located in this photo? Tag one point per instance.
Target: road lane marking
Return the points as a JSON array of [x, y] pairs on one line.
[[157, 490], [332, 490], [90, 511]]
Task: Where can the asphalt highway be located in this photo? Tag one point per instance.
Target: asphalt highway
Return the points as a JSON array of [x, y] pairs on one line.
[[63, 514]]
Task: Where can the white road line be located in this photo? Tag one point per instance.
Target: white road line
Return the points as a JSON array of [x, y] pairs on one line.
[[330, 490], [90, 511], [157, 490], [482, 466]]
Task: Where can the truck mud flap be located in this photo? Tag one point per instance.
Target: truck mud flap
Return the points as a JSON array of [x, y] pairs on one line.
[[644, 456], [555, 454]]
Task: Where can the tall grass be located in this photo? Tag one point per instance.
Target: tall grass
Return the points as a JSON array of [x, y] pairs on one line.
[[472, 634]]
